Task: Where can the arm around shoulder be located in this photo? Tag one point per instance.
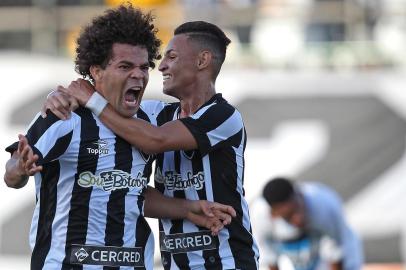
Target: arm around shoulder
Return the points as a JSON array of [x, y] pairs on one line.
[[151, 139]]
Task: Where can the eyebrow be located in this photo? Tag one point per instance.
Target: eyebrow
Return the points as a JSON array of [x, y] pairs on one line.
[[169, 51], [132, 64]]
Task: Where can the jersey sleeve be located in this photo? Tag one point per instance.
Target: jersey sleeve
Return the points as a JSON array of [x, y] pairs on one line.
[[217, 125], [346, 245], [48, 137]]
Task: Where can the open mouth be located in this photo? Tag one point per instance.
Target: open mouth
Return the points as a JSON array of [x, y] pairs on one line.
[[166, 77], [132, 96]]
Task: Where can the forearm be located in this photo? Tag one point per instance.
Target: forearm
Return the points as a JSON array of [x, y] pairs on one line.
[[137, 132], [13, 177], [159, 206]]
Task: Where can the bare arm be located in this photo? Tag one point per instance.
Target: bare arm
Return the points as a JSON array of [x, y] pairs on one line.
[[151, 139], [203, 213], [21, 165]]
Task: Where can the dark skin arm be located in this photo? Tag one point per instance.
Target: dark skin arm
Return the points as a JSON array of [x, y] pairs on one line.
[[139, 133], [21, 165], [150, 139], [211, 215]]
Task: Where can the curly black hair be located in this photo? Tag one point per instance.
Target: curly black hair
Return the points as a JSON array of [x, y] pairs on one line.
[[125, 24]]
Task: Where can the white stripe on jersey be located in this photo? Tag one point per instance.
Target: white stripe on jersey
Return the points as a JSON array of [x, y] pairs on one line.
[[149, 253], [47, 141], [63, 197], [35, 216], [207, 178], [227, 258], [202, 111], [244, 205], [226, 129]]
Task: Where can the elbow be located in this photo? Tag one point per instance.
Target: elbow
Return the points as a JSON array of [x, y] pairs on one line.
[[15, 184], [12, 184]]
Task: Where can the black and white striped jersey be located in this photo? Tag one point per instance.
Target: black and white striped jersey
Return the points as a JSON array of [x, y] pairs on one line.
[[89, 196], [214, 172]]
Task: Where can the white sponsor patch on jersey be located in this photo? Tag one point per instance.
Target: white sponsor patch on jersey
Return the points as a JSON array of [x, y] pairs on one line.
[[112, 180]]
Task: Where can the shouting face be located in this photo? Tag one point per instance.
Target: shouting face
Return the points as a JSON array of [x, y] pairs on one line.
[[122, 82]]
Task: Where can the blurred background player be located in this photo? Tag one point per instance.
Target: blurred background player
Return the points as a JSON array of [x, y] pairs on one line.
[[304, 223]]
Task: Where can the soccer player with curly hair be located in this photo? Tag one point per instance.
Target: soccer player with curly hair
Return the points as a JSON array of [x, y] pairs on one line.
[[91, 184]]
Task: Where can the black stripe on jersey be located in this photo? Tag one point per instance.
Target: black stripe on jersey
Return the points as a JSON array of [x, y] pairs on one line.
[[211, 257], [35, 132], [48, 193], [180, 259], [165, 115], [116, 204], [59, 148], [225, 191], [212, 118], [79, 205], [147, 158], [40, 125], [243, 158], [143, 230]]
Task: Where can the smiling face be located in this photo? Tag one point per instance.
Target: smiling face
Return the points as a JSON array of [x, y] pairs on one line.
[[179, 66], [122, 82]]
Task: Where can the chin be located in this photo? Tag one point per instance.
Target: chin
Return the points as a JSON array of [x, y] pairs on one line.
[[128, 113]]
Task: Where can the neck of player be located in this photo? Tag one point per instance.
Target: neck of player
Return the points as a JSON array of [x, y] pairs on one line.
[[193, 99]]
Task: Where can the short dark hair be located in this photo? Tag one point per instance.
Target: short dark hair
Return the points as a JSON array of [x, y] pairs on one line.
[[207, 36], [278, 190], [125, 24]]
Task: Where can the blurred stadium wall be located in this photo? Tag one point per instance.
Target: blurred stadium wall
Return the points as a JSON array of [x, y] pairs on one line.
[[320, 84]]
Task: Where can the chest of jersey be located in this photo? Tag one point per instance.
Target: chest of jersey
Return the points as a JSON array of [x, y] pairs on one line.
[[106, 162]]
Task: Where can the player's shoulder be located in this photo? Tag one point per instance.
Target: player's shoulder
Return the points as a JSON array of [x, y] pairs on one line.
[[52, 120], [219, 103], [314, 187], [320, 191]]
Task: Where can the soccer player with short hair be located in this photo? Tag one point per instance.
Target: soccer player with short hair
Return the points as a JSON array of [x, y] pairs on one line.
[[201, 141], [91, 184]]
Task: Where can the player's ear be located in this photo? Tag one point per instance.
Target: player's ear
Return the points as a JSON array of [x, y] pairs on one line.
[[96, 71], [204, 59]]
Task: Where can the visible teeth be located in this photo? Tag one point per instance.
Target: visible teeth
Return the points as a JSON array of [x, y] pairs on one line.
[[166, 77]]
